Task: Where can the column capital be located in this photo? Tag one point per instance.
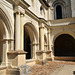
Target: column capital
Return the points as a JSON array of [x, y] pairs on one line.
[[46, 45], [16, 12], [41, 27], [48, 32], [2, 40], [52, 8], [35, 44], [19, 12], [22, 14]]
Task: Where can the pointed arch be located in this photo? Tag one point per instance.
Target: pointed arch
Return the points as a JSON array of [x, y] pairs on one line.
[[32, 34], [4, 15], [6, 33], [32, 27]]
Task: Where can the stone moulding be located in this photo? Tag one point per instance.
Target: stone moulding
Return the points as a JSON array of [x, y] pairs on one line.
[[39, 51], [48, 51], [15, 56], [49, 58], [2, 67], [43, 51], [17, 52], [22, 3]]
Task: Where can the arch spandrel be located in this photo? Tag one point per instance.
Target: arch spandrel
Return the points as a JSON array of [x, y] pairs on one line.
[[4, 15]]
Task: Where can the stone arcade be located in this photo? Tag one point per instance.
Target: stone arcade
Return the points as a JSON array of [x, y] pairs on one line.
[[34, 32]]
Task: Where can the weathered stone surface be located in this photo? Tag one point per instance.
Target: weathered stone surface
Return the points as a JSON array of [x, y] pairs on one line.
[[24, 70]]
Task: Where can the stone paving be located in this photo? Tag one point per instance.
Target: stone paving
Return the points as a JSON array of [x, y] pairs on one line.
[[65, 70], [54, 68]]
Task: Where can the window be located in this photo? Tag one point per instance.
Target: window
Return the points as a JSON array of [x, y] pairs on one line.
[[58, 12], [59, 9]]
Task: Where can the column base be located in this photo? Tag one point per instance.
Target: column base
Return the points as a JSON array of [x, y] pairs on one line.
[[41, 61], [39, 54], [17, 57], [41, 57], [3, 64], [3, 70], [49, 59]]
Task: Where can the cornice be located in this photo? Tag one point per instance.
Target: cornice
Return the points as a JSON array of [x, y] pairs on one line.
[[42, 20], [25, 5], [31, 14], [21, 3]]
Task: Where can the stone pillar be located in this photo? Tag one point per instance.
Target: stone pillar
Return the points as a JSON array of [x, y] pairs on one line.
[[34, 50], [35, 47], [49, 40], [46, 47], [5, 50], [42, 38], [12, 44], [51, 13], [43, 56], [17, 31], [19, 54], [50, 56], [41, 42], [22, 32]]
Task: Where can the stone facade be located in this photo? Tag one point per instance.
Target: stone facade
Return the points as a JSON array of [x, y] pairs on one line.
[[31, 31]]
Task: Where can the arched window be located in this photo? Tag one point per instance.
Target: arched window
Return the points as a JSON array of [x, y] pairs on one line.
[[59, 9], [58, 12]]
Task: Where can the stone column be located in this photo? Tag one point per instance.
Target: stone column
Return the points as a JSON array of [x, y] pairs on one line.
[[22, 32], [34, 50], [18, 55], [43, 56], [49, 39], [49, 51], [41, 42], [35, 47], [12, 45], [42, 38], [17, 31], [50, 45], [51, 13], [46, 47], [5, 50]]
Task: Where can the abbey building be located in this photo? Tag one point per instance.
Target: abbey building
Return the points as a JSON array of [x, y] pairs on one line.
[[35, 31]]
